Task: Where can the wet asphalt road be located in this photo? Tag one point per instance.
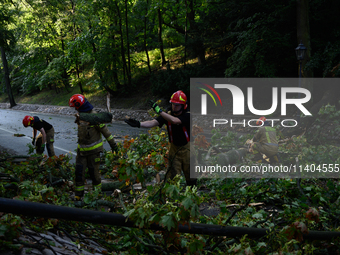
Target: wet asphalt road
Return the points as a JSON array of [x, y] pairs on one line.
[[64, 127]]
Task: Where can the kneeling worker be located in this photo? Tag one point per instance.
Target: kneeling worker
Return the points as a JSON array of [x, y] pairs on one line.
[[46, 135], [265, 142]]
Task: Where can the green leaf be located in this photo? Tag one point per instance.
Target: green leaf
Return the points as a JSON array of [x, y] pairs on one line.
[[3, 230], [187, 202], [257, 216], [128, 213], [154, 219], [196, 245], [167, 221], [172, 191]]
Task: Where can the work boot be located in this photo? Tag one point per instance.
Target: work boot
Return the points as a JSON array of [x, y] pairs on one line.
[[77, 198], [78, 201], [258, 158], [275, 159]]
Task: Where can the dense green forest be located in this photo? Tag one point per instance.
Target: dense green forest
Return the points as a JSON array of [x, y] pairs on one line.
[[126, 47], [118, 46]]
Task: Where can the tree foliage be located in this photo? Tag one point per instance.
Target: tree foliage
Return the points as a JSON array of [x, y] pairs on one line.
[[114, 45]]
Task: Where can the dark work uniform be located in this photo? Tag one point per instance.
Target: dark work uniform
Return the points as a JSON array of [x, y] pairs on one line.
[[90, 144], [49, 130], [265, 142], [179, 153]]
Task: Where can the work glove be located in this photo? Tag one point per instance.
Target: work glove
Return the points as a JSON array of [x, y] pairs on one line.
[[133, 123], [33, 141], [155, 106], [114, 148], [42, 147]]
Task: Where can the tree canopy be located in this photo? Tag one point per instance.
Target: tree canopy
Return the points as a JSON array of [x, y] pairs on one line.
[[114, 45]]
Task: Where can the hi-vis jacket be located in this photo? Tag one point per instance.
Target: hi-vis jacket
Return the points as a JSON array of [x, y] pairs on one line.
[[266, 137], [90, 139]]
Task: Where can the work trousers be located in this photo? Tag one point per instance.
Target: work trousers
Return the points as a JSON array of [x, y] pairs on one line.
[[49, 142], [92, 163], [179, 160], [270, 151]]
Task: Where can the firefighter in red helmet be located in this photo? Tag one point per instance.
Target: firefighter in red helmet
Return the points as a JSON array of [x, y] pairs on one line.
[[46, 136], [90, 145], [265, 142], [178, 125]]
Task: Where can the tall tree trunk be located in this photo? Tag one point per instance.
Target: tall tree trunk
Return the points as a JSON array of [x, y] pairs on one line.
[[303, 35], [64, 75], [78, 76], [76, 60], [160, 40], [99, 73], [7, 80], [145, 43], [303, 32], [196, 35], [114, 64], [185, 40], [127, 43], [122, 51]]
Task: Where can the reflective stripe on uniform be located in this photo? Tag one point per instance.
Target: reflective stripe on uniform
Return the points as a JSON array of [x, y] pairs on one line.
[[90, 147], [102, 125], [109, 138], [97, 160], [170, 133], [99, 186], [269, 129], [79, 188], [273, 144]]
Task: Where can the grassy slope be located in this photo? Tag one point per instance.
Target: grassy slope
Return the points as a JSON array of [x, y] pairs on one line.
[[137, 99]]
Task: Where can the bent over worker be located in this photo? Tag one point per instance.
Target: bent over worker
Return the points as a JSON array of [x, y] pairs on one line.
[[46, 135], [90, 145], [264, 141], [178, 125]]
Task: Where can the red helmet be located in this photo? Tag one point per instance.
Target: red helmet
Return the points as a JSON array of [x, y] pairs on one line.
[[179, 98], [28, 121], [260, 121], [76, 101]]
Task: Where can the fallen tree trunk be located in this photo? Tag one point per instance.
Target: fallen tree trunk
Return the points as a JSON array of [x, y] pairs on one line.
[[231, 157], [114, 219], [329, 97], [95, 118], [111, 186]]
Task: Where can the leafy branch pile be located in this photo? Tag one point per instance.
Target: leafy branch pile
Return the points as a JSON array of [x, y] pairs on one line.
[[287, 209]]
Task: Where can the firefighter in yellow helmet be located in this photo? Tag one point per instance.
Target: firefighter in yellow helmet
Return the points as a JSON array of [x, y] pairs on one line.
[[90, 145], [178, 124], [265, 142]]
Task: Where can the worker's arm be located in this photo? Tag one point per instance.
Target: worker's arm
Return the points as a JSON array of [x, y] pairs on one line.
[[34, 133], [166, 116], [144, 124], [149, 123], [256, 136], [108, 136], [42, 131], [170, 118]]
